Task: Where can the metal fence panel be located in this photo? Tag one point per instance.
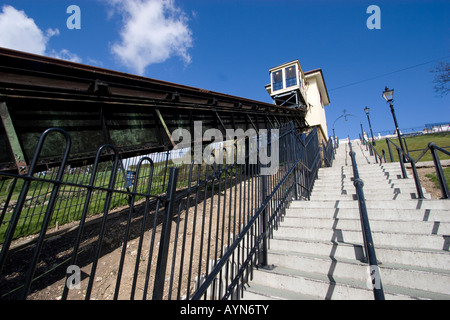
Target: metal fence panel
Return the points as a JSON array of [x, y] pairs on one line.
[[147, 228]]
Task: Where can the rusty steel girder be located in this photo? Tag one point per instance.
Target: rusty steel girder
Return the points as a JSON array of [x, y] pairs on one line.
[[98, 106]]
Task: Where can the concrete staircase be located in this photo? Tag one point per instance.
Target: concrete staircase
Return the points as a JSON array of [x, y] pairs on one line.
[[317, 251]]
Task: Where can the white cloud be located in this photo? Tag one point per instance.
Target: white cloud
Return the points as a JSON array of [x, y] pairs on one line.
[[65, 54], [20, 32], [153, 31]]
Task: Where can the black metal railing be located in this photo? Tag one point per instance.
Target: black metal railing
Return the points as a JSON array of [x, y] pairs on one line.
[[372, 151], [148, 228], [329, 152], [402, 156], [369, 247], [433, 148]]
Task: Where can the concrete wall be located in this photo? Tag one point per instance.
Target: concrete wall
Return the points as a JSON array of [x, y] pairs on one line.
[[316, 113]]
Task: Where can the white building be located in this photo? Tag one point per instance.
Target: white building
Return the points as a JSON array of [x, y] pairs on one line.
[[291, 87]]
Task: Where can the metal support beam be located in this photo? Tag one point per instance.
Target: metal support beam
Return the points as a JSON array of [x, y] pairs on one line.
[[13, 139], [223, 126], [166, 128], [251, 122]]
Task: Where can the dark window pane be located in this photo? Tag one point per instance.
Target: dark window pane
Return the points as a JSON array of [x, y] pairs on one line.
[[291, 76], [277, 80]]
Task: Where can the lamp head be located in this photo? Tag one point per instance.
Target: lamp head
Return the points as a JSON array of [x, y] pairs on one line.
[[388, 94]]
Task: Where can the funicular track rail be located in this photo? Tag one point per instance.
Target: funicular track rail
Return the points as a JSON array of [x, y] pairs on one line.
[[98, 106]]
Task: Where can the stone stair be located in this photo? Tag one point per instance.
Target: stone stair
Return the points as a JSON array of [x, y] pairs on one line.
[[317, 251]]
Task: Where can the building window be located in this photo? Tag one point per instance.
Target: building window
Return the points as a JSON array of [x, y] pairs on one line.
[[277, 80], [291, 76]]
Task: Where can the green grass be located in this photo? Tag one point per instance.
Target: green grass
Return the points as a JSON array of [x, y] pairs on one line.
[[417, 143], [71, 199], [433, 177]]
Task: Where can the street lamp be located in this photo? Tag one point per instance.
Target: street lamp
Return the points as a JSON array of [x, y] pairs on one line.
[[366, 109], [345, 115], [388, 95]]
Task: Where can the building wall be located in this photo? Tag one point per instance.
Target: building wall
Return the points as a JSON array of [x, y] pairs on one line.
[[316, 113]]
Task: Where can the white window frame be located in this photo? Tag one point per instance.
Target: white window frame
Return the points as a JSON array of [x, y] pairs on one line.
[[283, 74]]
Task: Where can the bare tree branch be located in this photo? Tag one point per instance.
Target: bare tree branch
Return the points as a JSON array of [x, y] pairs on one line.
[[442, 78]]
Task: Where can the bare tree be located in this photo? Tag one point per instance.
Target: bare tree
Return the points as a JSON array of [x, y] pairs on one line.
[[442, 78]]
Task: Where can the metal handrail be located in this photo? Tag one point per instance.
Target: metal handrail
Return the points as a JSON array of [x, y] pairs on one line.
[[437, 165], [372, 150], [367, 233], [328, 151], [403, 155], [260, 212]]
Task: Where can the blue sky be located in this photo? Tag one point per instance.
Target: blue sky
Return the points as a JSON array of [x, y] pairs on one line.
[[229, 46]]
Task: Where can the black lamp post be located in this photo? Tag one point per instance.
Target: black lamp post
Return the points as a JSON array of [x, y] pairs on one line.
[[366, 109], [388, 95]]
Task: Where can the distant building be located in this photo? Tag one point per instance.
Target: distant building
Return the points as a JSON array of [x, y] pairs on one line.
[[437, 127], [291, 87]]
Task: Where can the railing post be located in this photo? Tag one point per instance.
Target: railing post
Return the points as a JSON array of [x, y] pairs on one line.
[[439, 172], [402, 164], [406, 146], [296, 182], [390, 150], [417, 181], [374, 152], [265, 219], [161, 265]]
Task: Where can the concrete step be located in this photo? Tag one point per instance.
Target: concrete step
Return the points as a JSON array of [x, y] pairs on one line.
[[402, 240], [375, 188], [374, 167], [351, 189], [256, 291], [437, 281], [351, 192], [332, 287], [367, 175], [382, 183], [307, 283], [348, 166], [368, 179], [419, 258], [348, 176], [349, 173], [340, 190], [367, 196], [408, 227], [399, 204], [434, 215], [361, 169]]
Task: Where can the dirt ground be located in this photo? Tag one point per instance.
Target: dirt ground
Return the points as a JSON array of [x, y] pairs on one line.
[[426, 182], [58, 249]]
